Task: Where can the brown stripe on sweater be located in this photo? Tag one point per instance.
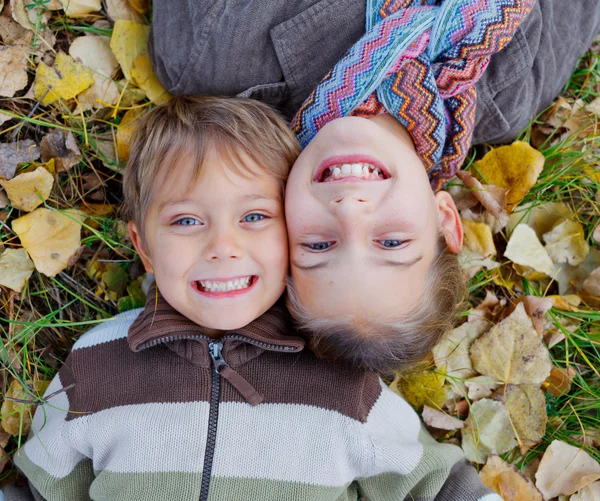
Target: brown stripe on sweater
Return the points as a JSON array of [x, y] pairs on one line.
[[110, 374]]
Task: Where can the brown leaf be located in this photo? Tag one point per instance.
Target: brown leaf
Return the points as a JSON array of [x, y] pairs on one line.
[[492, 198], [440, 420], [62, 147], [12, 154], [125, 132], [507, 481], [489, 309], [535, 307], [571, 278], [13, 68], [480, 387], [559, 381]]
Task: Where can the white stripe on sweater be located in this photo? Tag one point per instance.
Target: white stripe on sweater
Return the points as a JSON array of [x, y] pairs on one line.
[[111, 330]]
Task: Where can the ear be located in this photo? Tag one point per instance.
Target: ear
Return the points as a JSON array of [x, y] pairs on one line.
[[138, 243], [450, 223]]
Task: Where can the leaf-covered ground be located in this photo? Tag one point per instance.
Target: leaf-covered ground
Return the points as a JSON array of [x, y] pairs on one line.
[[516, 384]]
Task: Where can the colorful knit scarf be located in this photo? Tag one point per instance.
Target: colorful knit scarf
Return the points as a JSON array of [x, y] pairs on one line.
[[419, 61]]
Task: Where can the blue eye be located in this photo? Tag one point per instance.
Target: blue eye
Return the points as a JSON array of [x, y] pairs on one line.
[[390, 244], [187, 221], [319, 246], [253, 218]]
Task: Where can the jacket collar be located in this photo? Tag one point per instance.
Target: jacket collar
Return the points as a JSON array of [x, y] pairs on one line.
[[160, 323]]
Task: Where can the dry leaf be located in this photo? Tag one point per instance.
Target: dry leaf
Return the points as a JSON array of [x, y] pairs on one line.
[[80, 8], [50, 237], [451, 354], [571, 278], [507, 481], [11, 31], [569, 302], [440, 420], [420, 388], [559, 381], [125, 132], [463, 197], [590, 492], [542, 218], [512, 351], [525, 249], [487, 431], [13, 154], [142, 74], [62, 147], [565, 469], [566, 243], [596, 233], [515, 167], [128, 41], [536, 308], [526, 407], [478, 238], [29, 190], [13, 413], [64, 80], [13, 68], [591, 286], [15, 269], [473, 262], [122, 9], [140, 6], [492, 198], [489, 309], [28, 18], [480, 387]]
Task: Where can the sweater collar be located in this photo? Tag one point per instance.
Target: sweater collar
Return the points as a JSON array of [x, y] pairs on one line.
[[160, 323]]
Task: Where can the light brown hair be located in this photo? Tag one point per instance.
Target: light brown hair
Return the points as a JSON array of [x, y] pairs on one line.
[[192, 126], [388, 345]]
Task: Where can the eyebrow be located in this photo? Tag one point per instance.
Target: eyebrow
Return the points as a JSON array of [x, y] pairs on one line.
[[377, 261], [243, 199]]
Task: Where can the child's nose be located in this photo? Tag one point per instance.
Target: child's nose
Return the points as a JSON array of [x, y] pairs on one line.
[[223, 245]]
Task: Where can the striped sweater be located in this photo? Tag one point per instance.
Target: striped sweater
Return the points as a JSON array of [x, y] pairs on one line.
[[153, 410]]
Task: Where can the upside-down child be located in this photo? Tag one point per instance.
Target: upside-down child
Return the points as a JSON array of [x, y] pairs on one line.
[[208, 393]]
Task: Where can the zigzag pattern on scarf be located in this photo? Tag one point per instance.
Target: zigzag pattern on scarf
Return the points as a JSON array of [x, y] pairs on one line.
[[419, 61]]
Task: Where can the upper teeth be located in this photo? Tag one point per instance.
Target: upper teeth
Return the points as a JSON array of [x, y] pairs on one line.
[[362, 170], [231, 285]]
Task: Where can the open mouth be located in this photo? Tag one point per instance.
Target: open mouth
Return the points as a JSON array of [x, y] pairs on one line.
[[225, 287], [358, 171]]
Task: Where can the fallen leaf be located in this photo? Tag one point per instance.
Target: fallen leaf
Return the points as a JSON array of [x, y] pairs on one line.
[[13, 68], [473, 262], [481, 387], [525, 249], [142, 74], [542, 218], [590, 492], [478, 238], [536, 308], [507, 481], [488, 309], [591, 286], [526, 407], [515, 167], [440, 420], [559, 381], [128, 41], [126, 130], [11, 31], [29, 190], [571, 278], [80, 8], [64, 80], [15, 269], [140, 6], [420, 388], [487, 431], [569, 302], [16, 417], [463, 197], [49, 237], [62, 147], [451, 354], [122, 9], [13, 154], [566, 243], [596, 233], [28, 18], [492, 198], [565, 469], [512, 351]]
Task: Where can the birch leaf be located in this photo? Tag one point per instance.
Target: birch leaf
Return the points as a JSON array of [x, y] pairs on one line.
[[512, 351], [13, 68], [122, 9], [29, 190], [128, 41], [64, 80], [507, 481], [541, 218], [478, 238], [480, 387], [566, 243], [525, 249], [420, 388], [14, 412], [13, 154], [440, 420], [590, 492], [142, 74], [473, 262], [15, 269]]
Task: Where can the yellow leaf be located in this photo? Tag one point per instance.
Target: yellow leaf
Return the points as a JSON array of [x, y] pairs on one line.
[[569, 302], [508, 482], [512, 351], [64, 80], [15, 413], [525, 249], [566, 243], [421, 388], [15, 269], [50, 238], [128, 41], [143, 76], [24, 190], [478, 238], [80, 8], [125, 132], [526, 407], [515, 167], [542, 218]]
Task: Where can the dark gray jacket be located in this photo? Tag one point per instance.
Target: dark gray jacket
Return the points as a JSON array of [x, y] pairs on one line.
[[278, 51]]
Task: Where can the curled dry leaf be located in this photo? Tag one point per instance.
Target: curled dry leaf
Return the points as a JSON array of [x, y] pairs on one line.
[[492, 198], [15, 269], [591, 286], [590, 492], [473, 262], [559, 381], [487, 431], [463, 197], [569, 302], [489, 309], [478, 238], [440, 420], [26, 17], [507, 481], [12, 154], [542, 218], [571, 278], [80, 8], [27, 191], [11, 31], [50, 237], [62, 147], [122, 9], [565, 469], [13, 413], [566, 243], [515, 167], [64, 80], [524, 248], [526, 407], [536, 308], [13, 68], [480, 387], [512, 351]]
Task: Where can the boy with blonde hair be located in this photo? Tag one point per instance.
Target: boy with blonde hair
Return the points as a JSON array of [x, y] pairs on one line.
[[207, 392]]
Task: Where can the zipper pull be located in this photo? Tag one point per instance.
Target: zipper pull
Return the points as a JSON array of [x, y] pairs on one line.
[[214, 348]]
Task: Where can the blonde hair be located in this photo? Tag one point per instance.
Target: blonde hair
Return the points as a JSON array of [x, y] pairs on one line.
[[193, 126], [384, 346]]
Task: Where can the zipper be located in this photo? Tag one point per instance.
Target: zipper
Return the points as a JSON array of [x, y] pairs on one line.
[[214, 348]]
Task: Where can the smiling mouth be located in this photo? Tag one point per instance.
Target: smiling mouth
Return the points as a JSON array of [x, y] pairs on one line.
[[361, 171], [231, 287]]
